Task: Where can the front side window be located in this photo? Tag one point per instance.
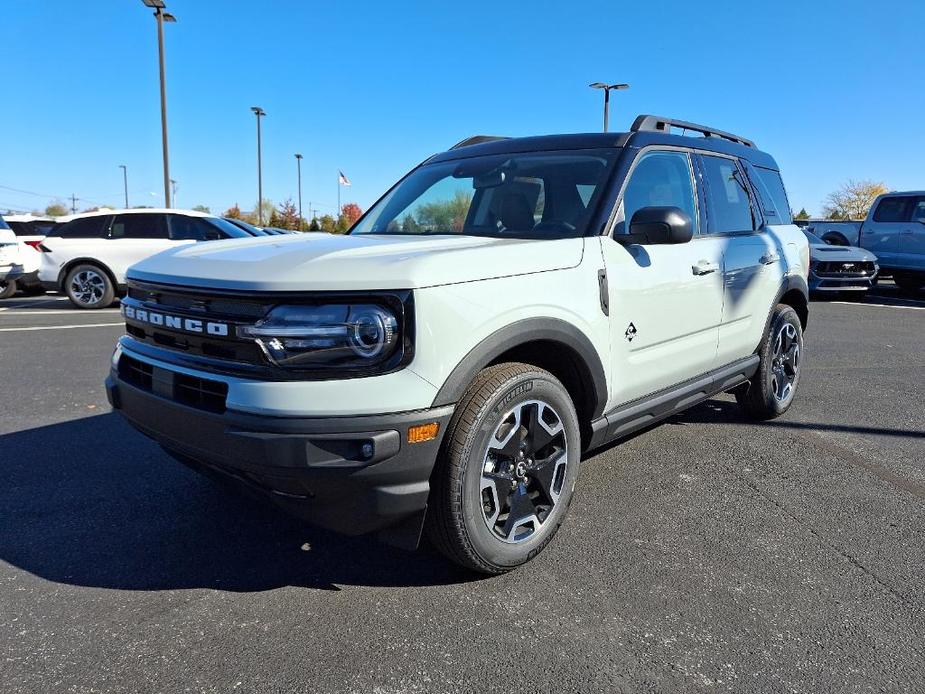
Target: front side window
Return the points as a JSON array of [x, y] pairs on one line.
[[660, 179], [893, 210], [139, 226], [519, 195], [728, 206]]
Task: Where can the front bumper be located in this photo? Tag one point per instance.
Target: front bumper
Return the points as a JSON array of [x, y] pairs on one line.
[[353, 475], [829, 283]]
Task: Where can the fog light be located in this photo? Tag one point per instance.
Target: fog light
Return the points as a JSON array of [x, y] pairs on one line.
[[423, 432], [366, 450]]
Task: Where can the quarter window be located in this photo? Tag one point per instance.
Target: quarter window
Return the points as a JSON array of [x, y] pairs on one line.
[[770, 186], [83, 228], [139, 226], [728, 206], [893, 210], [661, 179]]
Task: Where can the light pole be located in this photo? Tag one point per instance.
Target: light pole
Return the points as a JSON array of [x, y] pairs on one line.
[[607, 88], [298, 163], [161, 17], [259, 112], [125, 182]]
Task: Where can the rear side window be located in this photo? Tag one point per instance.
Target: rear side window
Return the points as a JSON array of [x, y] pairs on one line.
[[661, 179], [773, 196], [728, 205], [85, 228], [3, 224], [139, 226], [918, 212], [893, 210]]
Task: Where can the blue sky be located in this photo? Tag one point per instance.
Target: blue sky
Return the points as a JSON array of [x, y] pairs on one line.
[[831, 89]]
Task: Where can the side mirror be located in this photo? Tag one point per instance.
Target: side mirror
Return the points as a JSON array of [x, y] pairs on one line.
[[657, 225]]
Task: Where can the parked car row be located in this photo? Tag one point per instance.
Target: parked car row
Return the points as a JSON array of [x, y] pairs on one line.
[[86, 255], [894, 231]]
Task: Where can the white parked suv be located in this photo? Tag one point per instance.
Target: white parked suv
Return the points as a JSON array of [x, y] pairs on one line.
[[87, 257], [19, 262], [506, 306]]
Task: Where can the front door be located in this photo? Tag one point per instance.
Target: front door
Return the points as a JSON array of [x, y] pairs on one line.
[[913, 238], [665, 300]]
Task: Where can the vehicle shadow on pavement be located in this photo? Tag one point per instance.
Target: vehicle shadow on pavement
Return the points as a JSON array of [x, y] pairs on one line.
[[713, 411], [90, 502]]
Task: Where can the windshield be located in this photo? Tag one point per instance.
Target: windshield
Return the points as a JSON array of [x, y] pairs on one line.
[[813, 238], [528, 195], [229, 229]]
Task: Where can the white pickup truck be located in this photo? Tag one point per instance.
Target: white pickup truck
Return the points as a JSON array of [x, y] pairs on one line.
[[894, 231]]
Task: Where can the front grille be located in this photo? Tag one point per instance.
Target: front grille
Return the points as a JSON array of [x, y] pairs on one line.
[[229, 311], [192, 391], [844, 269]]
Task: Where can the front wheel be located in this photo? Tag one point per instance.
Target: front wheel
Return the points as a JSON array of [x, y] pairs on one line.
[[770, 391], [7, 288], [909, 283], [506, 474], [89, 287]]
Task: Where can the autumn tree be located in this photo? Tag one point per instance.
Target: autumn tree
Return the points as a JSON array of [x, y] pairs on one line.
[[853, 199], [327, 223], [351, 212], [233, 212], [287, 216], [801, 215], [56, 209]]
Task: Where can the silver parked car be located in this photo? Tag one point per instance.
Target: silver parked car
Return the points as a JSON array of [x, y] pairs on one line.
[[839, 268]]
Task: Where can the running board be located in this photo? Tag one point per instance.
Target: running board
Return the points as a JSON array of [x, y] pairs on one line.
[[645, 411]]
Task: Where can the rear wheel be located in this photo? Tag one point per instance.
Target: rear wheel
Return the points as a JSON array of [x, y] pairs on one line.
[[7, 288], [89, 287], [505, 477], [771, 390]]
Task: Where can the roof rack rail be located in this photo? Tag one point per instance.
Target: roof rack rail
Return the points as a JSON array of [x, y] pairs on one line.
[[646, 123], [477, 140]]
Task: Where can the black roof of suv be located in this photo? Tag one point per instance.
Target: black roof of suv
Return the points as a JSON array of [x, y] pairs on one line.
[[646, 130]]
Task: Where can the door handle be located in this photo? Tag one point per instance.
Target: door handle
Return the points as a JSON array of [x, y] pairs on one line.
[[769, 258], [906, 232], [704, 268]]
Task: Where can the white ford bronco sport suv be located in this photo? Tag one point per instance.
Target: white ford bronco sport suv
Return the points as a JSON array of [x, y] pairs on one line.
[[505, 307]]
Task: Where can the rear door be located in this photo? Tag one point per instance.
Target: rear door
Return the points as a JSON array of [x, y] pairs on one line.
[[752, 258], [882, 235], [133, 237], [665, 301]]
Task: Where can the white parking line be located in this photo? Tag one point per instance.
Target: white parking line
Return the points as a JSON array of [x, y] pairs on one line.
[[62, 327], [858, 303]]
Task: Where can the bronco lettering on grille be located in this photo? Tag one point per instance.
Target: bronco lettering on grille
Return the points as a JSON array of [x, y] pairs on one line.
[[190, 325]]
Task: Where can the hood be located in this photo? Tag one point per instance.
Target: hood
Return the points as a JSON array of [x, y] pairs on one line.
[[317, 261], [823, 252]]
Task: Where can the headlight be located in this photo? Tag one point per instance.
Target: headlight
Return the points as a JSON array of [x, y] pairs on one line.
[[329, 336]]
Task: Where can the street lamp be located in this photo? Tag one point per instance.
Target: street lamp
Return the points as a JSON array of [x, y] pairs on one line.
[[125, 182], [259, 112], [161, 17], [607, 88], [298, 163]]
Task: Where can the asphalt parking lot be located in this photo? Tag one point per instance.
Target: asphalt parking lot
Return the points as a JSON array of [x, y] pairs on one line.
[[708, 553]]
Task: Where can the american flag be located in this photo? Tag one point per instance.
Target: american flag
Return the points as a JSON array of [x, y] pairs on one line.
[[343, 180]]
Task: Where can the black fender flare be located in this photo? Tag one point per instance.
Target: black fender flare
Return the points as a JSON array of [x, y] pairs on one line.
[[788, 284], [520, 333]]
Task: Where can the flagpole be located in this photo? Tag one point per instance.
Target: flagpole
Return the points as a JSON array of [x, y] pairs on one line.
[[338, 197]]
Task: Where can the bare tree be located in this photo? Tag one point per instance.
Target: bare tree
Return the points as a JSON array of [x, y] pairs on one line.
[[853, 199]]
